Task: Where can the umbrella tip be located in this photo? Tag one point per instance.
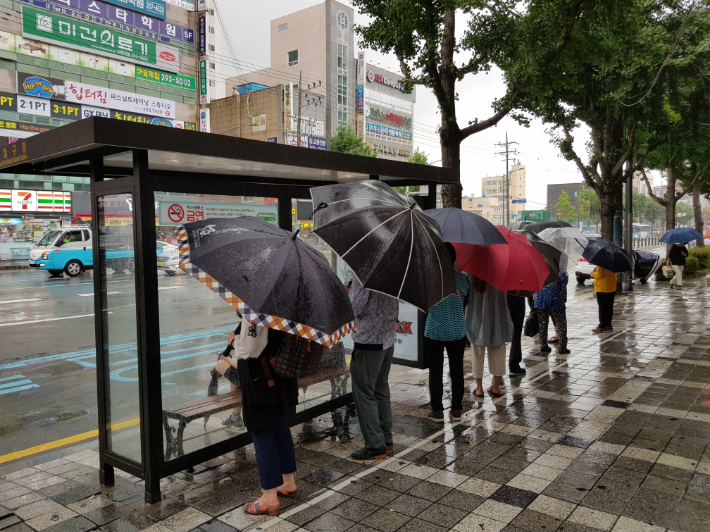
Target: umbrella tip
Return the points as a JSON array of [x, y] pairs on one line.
[[295, 234]]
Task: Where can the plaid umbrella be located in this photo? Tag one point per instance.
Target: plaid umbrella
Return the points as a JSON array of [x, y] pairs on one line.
[[270, 276]]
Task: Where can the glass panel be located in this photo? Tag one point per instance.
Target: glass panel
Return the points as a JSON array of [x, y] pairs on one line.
[[194, 324], [119, 328]]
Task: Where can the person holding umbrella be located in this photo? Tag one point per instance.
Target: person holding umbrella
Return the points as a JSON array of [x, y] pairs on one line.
[[550, 302], [676, 260], [446, 329]]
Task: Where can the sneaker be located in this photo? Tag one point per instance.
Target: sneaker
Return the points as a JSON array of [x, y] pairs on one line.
[[235, 420], [598, 329], [517, 373], [564, 351], [437, 417], [456, 415], [608, 329], [546, 349], [370, 454]]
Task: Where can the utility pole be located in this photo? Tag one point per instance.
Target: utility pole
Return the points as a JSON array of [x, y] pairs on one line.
[[298, 134], [506, 194]]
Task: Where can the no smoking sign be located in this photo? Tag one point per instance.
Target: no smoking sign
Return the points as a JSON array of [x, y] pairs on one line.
[[176, 213]]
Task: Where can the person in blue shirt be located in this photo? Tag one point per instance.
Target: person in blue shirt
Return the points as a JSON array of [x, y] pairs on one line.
[[446, 329], [550, 302]]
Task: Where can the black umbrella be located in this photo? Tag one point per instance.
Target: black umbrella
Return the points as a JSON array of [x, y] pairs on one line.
[[386, 239], [537, 227], [601, 252], [465, 227], [271, 277], [549, 253]]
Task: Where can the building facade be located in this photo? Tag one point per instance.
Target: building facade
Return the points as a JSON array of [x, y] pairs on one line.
[[490, 208], [495, 187], [316, 45], [216, 87], [555, 191], [385, 111], [65, 60]]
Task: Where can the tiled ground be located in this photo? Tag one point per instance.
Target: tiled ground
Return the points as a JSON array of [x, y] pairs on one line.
[[613, 437]]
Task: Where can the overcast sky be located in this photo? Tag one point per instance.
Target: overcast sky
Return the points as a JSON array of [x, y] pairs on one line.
[[248, 26]]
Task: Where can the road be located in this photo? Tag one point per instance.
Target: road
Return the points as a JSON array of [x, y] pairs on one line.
[[47, 358]]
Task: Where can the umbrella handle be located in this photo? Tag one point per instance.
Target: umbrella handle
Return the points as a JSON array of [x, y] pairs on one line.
[[321, 205]]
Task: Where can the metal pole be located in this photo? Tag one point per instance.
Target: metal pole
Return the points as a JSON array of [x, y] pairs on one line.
[[629, 225], [298, 134]]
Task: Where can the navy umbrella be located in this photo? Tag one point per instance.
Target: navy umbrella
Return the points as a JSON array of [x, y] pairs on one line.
[[681, 235], [386, 239], [607, 255], [271, 277], [465, 227], [537, 227]]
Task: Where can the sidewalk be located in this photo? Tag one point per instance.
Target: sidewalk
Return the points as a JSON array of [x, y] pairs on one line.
[[612, 437]]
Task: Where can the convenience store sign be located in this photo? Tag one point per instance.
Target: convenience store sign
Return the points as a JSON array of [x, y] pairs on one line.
[[64, 31]]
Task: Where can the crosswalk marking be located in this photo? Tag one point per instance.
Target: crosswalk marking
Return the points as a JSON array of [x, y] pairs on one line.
[[19, 301]]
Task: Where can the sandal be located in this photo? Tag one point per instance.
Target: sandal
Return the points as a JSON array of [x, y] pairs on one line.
[[254, 508], [288, 494], [554, 340], [493, 394], [479, 396]]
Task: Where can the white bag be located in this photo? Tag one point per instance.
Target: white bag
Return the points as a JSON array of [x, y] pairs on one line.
[[250, 341]]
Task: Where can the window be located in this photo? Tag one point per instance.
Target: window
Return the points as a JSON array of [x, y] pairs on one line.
[[212, 12], [342, 21], [211, 47], [293, 58], [282, 27], [211, 29], [343, 84], [213, 83], [212, 67]]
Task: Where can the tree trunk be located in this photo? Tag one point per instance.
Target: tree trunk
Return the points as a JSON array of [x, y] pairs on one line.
[[698, 212], [451, 158], [670, 199], [607, 209]]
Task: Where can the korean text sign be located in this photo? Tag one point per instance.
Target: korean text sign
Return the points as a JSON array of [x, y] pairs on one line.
[[176, 213], [155, 8], [78, 35]]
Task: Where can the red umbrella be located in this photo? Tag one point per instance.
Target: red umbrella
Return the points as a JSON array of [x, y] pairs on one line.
[[514, 267]]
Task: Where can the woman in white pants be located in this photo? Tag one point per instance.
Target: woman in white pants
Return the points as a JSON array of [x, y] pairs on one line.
[[489, 327], [676, 260]]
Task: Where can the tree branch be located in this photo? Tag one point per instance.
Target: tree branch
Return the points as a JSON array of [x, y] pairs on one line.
[[492, 121], [407, 72], [590, 179], [655, 198], [625, 157]]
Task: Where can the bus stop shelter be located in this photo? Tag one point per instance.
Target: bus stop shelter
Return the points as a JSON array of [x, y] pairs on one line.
[[146, 428]]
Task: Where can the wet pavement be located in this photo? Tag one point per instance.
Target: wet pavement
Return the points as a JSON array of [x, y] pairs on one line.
[[613, 437]]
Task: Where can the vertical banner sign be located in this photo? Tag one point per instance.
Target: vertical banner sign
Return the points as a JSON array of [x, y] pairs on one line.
[[360, 125], [361, 68], [202, 28], [287, 108], [294, 123], [205, 120], [204, 95]]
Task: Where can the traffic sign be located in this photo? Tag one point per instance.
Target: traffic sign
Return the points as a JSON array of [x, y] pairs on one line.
[[176, 213], [519, 201]]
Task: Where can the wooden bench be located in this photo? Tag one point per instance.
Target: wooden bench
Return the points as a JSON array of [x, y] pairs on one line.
[[207, 406]]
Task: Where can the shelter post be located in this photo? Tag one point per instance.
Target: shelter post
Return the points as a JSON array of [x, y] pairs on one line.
[[430, 202], [285, 207]]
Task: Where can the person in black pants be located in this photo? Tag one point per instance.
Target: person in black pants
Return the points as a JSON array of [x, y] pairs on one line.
[[516, 307]]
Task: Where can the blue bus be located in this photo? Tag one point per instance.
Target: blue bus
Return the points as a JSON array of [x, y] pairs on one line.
[[642, 230]]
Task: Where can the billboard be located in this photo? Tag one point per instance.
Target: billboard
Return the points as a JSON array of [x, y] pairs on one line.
[[204, 91], [202, 34], [34, 201], [205, 120], [104, 40]]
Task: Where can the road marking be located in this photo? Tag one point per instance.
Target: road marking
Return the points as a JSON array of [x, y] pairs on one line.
[[18, 301], [20, 388], [64, 441], [16, 383], [91, 294], [168, 287], [42, 321], [12, 378], [584, 294]]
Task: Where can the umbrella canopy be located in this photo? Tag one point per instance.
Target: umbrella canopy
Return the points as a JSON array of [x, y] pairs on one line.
[[707, 233], [569, 240], [386, 239], [551, 255], [681, 235], [465, 227], [515, 267], [271, 277], [537, 227], [610, 256]]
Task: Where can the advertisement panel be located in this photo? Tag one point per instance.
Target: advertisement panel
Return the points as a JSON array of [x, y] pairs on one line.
[[21, 130], [24, 200], [360, 102], [202, 34], [317, 143], [176, 212], [78, 35], [174, 80], [360, 68], [204, 93], [360, 125], [155, 8], [80, 93], [201, 5], [205, 120], [388, 133], [292, 140], [182, 3], [287, 107], [258, 123]]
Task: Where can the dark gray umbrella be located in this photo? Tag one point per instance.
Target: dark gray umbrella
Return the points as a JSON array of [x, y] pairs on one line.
[[549, 253], [270, 276], [537, 227], [610, 256], [386, 239], [465, 227]]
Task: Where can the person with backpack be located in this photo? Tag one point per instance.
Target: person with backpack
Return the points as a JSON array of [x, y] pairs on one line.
[[446, 329]]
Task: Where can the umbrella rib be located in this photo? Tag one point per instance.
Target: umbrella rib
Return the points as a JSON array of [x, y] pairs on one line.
[[438, 259], [370, 232], [370, 199], [411, 249]]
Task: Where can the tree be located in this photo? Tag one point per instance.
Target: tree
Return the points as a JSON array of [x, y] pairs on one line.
[[419, 157], [588, 206], [565, 207], [347, 141], [422, 35], [684, 214]]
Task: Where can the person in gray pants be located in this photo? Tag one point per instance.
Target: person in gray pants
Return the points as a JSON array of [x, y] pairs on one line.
[[376, 316]]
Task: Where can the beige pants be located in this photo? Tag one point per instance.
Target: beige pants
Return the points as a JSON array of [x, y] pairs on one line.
[[678, 277], [496, 360]]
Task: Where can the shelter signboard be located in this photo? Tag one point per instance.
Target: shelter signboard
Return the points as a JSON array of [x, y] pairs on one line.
[[71, 33], [176, 212]]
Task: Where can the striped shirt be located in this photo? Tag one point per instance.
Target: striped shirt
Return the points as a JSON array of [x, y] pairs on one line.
[[446, 321]]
